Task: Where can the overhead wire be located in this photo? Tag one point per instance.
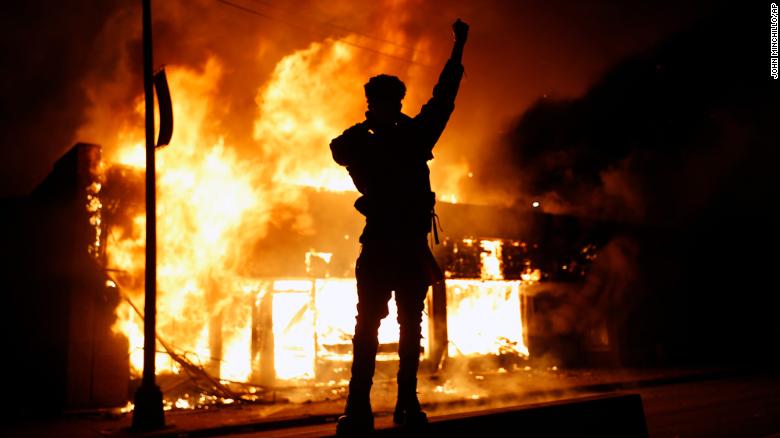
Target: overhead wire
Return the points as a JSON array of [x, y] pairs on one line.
[[298, 26], [345, 29]]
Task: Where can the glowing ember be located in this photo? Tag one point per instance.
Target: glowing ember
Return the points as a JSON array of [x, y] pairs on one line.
[[95, 218], [532, 275]]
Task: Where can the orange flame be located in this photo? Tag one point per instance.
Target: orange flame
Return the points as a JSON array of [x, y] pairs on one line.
[[213, 203]]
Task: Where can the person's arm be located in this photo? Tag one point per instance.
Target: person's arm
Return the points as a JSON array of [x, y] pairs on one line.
[[346, 147], [461, 31], [436, 112], [449, 80]]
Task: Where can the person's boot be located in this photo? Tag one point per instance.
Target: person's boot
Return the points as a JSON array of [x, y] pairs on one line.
[[358, 419], [407, 409], [408, 412]]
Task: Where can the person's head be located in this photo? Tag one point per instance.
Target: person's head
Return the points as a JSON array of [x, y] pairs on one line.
[[384, 94]]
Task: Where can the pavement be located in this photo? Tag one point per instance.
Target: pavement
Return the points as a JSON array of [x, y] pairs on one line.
[[677, 403]]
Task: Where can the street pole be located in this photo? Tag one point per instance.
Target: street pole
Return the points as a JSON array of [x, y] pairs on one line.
[[148, 413]]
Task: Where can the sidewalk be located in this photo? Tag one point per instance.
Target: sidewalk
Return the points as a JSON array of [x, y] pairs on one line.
[[322, 405]]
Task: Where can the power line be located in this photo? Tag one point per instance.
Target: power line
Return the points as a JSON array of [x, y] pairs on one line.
[[343, 40], [343, 28]]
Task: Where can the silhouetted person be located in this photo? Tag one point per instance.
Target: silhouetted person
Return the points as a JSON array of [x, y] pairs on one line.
[[387, 157]]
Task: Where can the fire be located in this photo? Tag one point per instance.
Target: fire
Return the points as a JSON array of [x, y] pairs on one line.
[[493, 301], [496, 305], [211, 202], [491, 259], [205, 194], [335, 326], [94, 207], [308, 101], [293, 329], [316, 93], [315, 319], [214, 199]]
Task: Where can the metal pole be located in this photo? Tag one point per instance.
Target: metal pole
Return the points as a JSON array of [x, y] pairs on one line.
[[148, 413]]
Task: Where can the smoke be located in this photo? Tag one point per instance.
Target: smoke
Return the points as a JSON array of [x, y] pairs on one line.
[[43, 61], [76, 67], [659, 137], [677, 139]]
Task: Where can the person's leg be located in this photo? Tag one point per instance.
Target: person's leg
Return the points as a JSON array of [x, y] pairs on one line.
[[373, 296], [410, 301], [372, 308]]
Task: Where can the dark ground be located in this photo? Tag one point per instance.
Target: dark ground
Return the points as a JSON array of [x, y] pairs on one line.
[[681, 403]]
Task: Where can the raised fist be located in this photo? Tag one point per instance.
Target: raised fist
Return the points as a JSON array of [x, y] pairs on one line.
[[461, 30]]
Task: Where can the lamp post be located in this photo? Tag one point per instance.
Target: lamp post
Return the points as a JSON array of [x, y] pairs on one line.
[[148, 413]]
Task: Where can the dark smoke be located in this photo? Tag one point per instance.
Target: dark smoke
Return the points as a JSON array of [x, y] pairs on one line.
[[662, 135], [680, 141], [45, 49]]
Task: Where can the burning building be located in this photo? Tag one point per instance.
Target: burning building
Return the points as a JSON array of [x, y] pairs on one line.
[[257, 234], [240, 328], [291, 319], [256, 256]]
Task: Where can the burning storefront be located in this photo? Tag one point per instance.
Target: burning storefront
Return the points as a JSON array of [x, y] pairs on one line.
[[244, 329], [291, 320], [257, 236]]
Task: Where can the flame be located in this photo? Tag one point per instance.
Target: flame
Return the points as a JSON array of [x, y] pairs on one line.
[[205, 194], [496, 305], [491, 300], [316, 93], [313, 318], [213, 200], [531, 275], [307, 103], [490, 258], [336, 310], [209, 202], [293, 329], [94, 210]]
